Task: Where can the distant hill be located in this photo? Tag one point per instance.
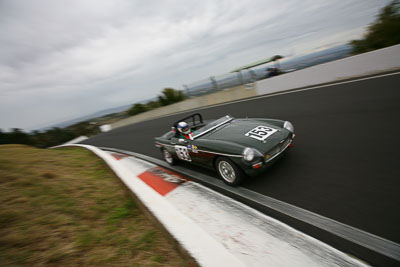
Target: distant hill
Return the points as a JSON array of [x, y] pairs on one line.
[[91, 116]]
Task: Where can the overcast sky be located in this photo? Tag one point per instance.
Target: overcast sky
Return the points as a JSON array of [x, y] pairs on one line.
[[64, 59]]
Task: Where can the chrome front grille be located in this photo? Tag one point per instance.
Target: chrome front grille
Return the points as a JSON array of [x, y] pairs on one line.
[[285, 143], [272, 152], [277, 149]]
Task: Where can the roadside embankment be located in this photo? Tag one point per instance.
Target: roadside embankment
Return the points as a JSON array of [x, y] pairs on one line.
[[192, 103], [64, 207]]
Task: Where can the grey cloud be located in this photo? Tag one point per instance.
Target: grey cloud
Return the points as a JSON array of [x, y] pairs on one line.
[[63, 59]]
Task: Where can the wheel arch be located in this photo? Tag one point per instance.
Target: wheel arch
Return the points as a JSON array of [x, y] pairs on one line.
[[239, 173]]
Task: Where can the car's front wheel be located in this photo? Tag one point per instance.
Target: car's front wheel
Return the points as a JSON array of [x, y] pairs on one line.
[[168, 157], [230, 173]]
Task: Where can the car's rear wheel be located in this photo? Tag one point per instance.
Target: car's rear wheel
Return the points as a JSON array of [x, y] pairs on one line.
[[230, 173], [168, 157]]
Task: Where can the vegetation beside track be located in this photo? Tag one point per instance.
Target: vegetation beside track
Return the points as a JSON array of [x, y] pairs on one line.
[[65, 207]]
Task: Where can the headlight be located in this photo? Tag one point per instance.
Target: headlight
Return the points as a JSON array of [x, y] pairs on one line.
[[288, 126], [248, 154]]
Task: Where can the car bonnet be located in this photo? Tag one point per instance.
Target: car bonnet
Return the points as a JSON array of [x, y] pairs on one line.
[[236, 132]]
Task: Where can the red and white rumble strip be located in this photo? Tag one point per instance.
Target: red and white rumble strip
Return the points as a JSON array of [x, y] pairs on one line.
[[214, 229]]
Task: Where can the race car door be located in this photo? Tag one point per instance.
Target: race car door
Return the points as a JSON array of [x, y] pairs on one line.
[[185, 149]]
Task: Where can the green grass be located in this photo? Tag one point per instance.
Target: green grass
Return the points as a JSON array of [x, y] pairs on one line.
[[64, 207]]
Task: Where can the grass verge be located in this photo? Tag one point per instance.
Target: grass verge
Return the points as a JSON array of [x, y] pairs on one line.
[[65, 207]]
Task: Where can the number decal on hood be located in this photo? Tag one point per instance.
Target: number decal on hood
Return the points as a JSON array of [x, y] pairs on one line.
[[261, 132]]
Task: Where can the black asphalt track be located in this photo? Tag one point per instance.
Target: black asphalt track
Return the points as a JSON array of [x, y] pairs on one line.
[[346, 161]]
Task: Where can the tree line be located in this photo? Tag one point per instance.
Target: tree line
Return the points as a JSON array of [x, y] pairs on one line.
[[168, 96], [52, 137], [384, 32], [57, 136]]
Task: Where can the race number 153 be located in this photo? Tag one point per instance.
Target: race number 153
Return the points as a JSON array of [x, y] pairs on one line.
[[261, 132]]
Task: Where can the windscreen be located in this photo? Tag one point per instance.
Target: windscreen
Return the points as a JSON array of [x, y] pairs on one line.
[[212, 125]]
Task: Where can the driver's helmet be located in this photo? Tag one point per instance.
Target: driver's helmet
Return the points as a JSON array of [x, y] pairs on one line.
[[183, 127]]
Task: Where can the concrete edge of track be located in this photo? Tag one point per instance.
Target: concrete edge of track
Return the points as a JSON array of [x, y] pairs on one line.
[[234, 239], [346, 238], [203, 249]]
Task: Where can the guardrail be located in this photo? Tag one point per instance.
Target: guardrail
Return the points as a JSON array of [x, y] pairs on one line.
[[224, 81]]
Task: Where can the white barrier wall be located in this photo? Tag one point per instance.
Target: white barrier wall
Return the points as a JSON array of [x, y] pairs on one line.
[[385, 59], [226, 95], [105, 128]]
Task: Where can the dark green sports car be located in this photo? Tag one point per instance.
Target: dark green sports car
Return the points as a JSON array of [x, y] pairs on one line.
[[233, 147]]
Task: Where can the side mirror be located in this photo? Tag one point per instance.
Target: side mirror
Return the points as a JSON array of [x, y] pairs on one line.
[[182, 141]]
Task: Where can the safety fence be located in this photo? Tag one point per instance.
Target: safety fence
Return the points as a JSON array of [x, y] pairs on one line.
[[224, 81], [248, 76]]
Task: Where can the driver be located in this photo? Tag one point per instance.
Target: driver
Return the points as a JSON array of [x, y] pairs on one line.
[[184, 130]]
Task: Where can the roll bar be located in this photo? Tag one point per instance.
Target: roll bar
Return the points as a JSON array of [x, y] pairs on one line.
[[193, 117]]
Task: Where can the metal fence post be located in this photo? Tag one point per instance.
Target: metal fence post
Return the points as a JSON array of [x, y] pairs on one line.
[[186, 88], [240, 77], [253, 75], [214, 83]]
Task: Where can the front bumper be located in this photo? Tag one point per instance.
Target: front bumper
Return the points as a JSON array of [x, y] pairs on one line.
[[268, 159]]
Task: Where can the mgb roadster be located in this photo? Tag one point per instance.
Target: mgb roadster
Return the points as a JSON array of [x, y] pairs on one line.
[[235, 148]]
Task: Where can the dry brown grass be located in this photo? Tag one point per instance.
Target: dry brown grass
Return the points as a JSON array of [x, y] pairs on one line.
[[64, 207]]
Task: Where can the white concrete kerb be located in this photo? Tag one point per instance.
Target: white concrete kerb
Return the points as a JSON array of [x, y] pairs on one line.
[[195, 240]]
